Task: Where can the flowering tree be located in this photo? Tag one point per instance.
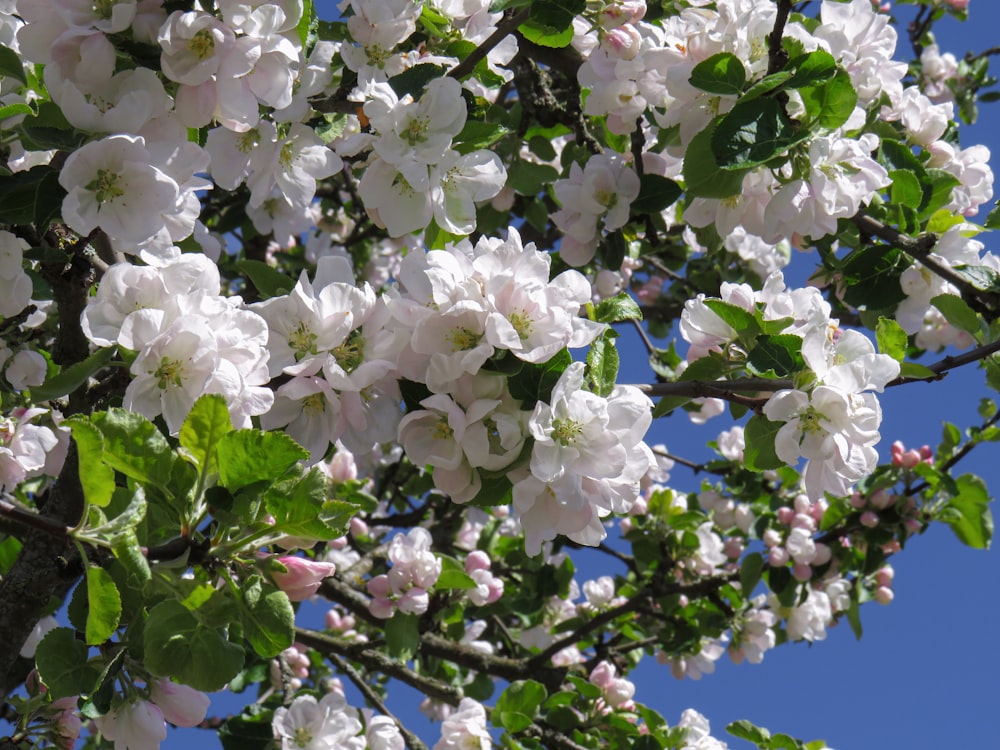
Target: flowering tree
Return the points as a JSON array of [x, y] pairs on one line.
[[325, 308]]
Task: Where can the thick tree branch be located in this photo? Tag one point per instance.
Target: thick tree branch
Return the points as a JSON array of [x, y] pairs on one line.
[[47, 567], [372, 657]]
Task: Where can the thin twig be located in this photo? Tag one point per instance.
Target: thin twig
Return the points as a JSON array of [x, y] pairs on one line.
[[504, 29], [354, 676]]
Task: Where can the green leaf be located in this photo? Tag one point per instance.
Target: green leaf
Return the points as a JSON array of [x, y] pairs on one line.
[[603, 362], [176, 644], [476, 135], [96, 477], [957, 312], [133, 446], [759, 453], [516, 707], [62, 664], [555, 15], [744, 730], [617, 309], [529, 178], [750, 573], [941, 185], [830, 104], [613, 249], [402, 636], [29, 196], [722, 73], [268, 280], [300, 507], [732, 315], [267, 616], [811, 68], [413, 80], [545, 37], [453, 575], [129, 553], [11, 65], [656, 193], [906, 188], [98, 702], [248, 456], [703, 177], [754, 133], [251, 730], [205, 425], [968, 513], [17, 108], [781, 354], [72, 377], [873, 273], [104, 606], [891, 338]]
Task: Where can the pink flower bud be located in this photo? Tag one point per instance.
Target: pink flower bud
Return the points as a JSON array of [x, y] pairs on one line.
[[858, 501], [884, 595], [414, 602], [358, 527], [772, 538], [777, 557], [379, 587], [891, 547], [381, 608], [910, 459], [603, 675], [181, 705], [785, 515], [496, 590], [477, 560], [623, 42], [733, 547], [869, 519], [882, 499], [736, 655], [926, 453], [823, 554], [912, 525], [802, 571], [884, 576], [301, 578]]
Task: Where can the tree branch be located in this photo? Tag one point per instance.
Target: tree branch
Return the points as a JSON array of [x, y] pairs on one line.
[[47, 566], [373, 658], [504, 29], [776, 55], [372, 697], [920, 249]]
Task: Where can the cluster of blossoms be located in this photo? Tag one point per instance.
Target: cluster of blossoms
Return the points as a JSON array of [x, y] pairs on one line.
[[832, 422], [917, 314], [605, 187], [415, 569], [29, 449], [414, 174], [141, 724], [189, 339], [616, 691]]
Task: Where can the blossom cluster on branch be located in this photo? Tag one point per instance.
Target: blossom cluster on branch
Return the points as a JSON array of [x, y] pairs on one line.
[[302, 304]]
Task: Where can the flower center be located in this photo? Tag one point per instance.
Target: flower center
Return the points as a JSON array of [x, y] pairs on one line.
[[170, 372], [521, 323], [7, 429], [313, 405], [302, 341], [103, 8], [248, 141], [416, 131], [442, 430], [202, 44], [809, 421], [463, 339], [106, 186], [302, 737], [566, 431], [351, 353]]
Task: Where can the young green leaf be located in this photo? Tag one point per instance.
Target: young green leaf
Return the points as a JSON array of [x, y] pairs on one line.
[[104, 606], [759, 453], [248, 456], [722, 73], [267, 616], [891, 338]]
